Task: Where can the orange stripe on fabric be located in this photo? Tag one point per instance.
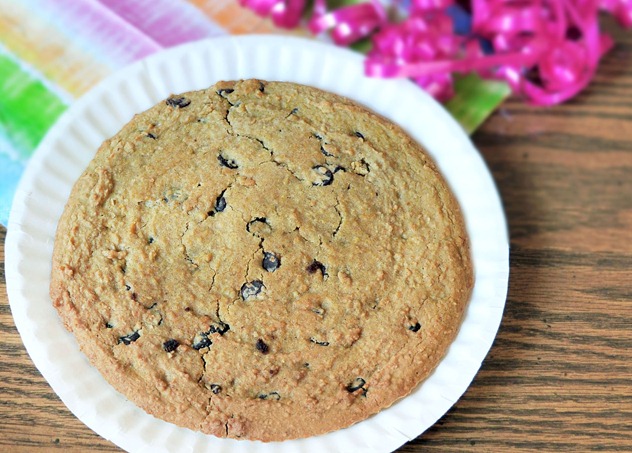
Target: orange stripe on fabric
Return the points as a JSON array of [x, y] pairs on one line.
[[234, 18]]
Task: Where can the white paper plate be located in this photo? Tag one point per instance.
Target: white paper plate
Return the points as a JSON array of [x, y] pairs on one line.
[[67, 149]]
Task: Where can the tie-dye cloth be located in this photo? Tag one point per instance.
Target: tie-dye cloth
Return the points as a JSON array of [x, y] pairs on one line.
[[53, 51]]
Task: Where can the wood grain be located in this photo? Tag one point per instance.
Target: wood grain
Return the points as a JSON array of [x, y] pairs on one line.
[[559, 376]]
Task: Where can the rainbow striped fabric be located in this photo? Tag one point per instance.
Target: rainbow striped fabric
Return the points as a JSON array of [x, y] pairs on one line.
[[53, 51]]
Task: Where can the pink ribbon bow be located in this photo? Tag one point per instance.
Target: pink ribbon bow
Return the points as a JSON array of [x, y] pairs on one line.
[[547, 50], [420, 47]]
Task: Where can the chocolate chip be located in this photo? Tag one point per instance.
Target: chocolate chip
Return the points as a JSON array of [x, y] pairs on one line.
[[178, 101], [321, 343], [415, 328], [129, 339], [220, 203], [270, 262], [109, 325], [150, 240], [251, 289], [220, 328], [325, 176], [170, 345], [224, 91], [262, 87], [317, 266], [294, 111], [228, 163], [150, 135], [201, 341], [339, 168], [357, 384], [359, 135], [134, 297], [262, 347], [127, 287], [269, 396], [216, 388]]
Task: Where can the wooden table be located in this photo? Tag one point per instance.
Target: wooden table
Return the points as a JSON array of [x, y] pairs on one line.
[[559, 376]]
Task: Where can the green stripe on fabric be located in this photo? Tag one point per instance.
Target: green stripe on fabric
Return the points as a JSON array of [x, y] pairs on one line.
[[475, 99], [27, 107]]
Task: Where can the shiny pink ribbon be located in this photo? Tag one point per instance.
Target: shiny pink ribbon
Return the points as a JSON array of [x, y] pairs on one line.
[[284, 13], [424, 47], [547, 50], [559, 42], [349, 23], [620, 9]]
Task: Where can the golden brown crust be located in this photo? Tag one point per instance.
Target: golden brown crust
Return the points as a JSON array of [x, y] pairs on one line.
[[261, 260]]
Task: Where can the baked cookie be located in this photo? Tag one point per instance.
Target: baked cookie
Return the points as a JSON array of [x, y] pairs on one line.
[[261, 261]]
